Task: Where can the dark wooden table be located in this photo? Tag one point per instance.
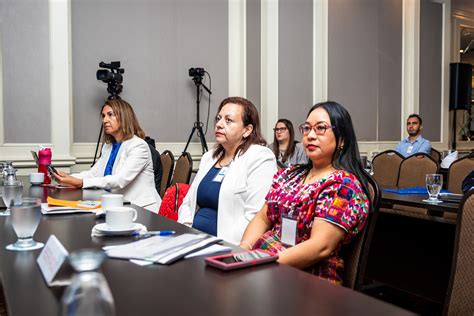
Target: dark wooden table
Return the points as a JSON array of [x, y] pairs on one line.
[[184, 287], [416, 200], [413, 254]]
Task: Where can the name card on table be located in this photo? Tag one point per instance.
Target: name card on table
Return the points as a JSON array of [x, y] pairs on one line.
[[50, 261]]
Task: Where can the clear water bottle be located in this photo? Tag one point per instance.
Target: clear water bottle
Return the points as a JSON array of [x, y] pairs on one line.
[[88, 293]]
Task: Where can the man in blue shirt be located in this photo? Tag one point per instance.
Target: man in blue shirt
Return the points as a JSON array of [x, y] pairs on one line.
[[414, 143]]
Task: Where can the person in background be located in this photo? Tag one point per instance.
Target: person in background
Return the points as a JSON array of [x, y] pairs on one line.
[[468, 182], [414, 143], [312, 210], [233, 178], [287, 151], [125, 164]]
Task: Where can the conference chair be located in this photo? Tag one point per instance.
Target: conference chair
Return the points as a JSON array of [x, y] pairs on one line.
[[459, 299], [167, 162], [385, 167], [356, 252], [156, 159], [413, 170], [459, 170], [183, 169], [436, 155]]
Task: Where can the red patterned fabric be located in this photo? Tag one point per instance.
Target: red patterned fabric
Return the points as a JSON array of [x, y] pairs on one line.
[[171, 202], [337, 199]]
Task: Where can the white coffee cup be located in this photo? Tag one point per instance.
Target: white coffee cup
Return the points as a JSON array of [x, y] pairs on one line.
[[36, 178], [111, 200], [118, 218]]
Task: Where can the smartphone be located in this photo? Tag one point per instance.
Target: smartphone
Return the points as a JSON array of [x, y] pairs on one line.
[[238, 260], [35, 157], [52, 170]]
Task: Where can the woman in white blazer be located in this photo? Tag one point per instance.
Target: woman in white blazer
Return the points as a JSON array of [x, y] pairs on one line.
[[125, 165], [234, 178]]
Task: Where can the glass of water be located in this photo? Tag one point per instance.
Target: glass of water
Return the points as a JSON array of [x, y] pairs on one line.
[[89, 292], [25, 219], [12, 191], [434, 182]]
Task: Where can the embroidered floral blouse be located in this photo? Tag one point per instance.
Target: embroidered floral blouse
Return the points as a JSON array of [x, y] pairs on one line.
[[337, 199]]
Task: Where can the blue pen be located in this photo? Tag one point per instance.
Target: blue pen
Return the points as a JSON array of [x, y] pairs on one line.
[[154, 233]]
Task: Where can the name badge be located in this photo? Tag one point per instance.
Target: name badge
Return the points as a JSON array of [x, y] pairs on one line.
[[409, 149], [288, 231], [220, 176]]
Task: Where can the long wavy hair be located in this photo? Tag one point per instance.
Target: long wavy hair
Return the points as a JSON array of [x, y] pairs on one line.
[[249, 116], [345, 157], [129, 125], [291, 143]]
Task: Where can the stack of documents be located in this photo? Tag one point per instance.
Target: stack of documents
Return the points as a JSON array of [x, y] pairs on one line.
[[164, 251], [49, 210], [56, 206]]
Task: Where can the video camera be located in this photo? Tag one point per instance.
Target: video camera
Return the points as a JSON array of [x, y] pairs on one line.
[[196, 72], [112, 78]]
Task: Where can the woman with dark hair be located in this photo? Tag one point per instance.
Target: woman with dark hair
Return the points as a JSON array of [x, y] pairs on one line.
[[233, 178], [287, 151], [312, 210], [125, 165]]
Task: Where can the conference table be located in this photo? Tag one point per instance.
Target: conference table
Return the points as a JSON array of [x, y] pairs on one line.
[[416, 200], [412, 255], [184, 287]]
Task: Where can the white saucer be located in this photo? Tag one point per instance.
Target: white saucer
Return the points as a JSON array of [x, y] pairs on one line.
[[103, 228]]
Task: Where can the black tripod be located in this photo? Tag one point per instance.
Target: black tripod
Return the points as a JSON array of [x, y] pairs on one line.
[[198, 124]]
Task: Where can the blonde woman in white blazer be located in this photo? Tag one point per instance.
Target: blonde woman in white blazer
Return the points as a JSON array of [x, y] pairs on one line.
[[125, 165], [243, 168]]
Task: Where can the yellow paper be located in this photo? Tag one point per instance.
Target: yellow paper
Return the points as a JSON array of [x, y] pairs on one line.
[[83, 205]]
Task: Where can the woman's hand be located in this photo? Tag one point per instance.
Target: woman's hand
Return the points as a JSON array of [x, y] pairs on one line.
[[65, 179]]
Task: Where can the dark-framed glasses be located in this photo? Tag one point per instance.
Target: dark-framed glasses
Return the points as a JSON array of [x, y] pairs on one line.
[[319, 129], [280, 129]]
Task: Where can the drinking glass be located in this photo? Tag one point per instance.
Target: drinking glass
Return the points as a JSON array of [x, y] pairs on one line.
[[88, 293], [12, 191], [25, 220], [434, 182]]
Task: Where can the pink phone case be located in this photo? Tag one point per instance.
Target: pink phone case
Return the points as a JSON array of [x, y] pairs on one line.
[[214, 261]]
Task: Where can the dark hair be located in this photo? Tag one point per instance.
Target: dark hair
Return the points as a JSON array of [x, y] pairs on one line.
[[291, 144], [346, 158], [249, 117], [417, 116], [129, 125]]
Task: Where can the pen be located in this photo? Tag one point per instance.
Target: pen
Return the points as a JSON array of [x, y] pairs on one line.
[[154, 233]]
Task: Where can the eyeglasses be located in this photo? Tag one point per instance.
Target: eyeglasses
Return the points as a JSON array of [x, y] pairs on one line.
[[319, 129], [280, 129]]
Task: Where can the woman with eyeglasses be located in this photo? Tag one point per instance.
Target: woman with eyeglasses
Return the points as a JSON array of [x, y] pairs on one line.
[[233, 178], [287, 151], [311, 211]]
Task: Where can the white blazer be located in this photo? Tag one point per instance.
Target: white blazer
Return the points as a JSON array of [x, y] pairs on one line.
[[242, 192], [132, 174]]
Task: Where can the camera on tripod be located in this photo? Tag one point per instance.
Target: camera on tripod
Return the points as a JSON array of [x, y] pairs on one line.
[[112, 78], [196, 72]]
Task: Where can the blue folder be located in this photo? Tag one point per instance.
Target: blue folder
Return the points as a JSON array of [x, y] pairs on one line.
[[414, 190]]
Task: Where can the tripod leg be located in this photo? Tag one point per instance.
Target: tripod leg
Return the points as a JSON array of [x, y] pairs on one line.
[[189, 139], [97, 146], [203, 139]]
